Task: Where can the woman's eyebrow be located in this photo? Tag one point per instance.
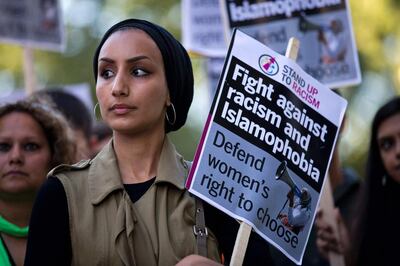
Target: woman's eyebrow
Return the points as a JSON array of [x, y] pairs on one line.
[[105, 59], [129, 60], [137, 58]]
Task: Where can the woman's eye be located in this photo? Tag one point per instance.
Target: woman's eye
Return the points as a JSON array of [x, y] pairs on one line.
[[385, 144], [31, 147], [138, 72], [4, 147], [106, 74]]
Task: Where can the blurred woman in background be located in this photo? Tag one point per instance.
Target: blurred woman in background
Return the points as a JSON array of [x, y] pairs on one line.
[[375, 227], [33, 139]]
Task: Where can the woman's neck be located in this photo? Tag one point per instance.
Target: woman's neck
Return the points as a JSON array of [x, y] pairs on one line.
[[17, 213], [138, 156]]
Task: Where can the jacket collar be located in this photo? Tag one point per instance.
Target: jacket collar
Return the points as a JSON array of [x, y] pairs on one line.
[[172, 168], [104, 176]]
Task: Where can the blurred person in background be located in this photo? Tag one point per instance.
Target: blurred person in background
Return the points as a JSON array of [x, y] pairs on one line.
[[33, 139], [101, 135], [129, 205], [78, 116], [373, 232]]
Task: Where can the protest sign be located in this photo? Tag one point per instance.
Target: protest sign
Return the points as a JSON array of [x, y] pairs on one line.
[[202, 28], [267, 143], [323, 27], [33, 23]]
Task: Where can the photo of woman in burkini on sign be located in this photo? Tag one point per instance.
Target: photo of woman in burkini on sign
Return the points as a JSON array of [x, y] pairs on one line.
[[299, 209], [331, 37]]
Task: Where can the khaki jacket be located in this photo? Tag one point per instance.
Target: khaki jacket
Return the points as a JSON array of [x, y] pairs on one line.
[[108, 229]]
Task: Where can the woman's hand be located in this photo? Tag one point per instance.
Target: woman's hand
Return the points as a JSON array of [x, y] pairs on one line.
[[196, 260], [327, 241]]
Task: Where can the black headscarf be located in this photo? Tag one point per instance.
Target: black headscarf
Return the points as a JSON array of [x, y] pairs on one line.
[[178, 68]]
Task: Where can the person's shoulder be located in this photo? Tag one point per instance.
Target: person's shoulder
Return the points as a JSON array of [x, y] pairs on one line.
[[82, 165]]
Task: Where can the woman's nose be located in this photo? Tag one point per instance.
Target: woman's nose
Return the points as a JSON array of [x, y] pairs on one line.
[[120, 86], [16, 155]]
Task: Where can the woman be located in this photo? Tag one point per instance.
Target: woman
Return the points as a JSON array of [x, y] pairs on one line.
[[375, 228], [33, 139], [129, 206]]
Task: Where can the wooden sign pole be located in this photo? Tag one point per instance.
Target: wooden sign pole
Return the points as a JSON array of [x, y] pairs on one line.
[[242, 239], [29, 73], [292, 49]]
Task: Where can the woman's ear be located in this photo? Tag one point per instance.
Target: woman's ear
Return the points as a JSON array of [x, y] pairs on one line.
[[168, 101]]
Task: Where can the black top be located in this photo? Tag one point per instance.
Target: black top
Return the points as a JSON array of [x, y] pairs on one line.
[[49, 241], [380, 235], [136, 191]]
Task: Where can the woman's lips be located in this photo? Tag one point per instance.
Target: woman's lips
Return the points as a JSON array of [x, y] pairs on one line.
[[121, 109], [15, 173]]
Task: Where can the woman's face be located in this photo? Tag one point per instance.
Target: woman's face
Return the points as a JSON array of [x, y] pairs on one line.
[[24, 155], [389, 145], [131, 86]]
